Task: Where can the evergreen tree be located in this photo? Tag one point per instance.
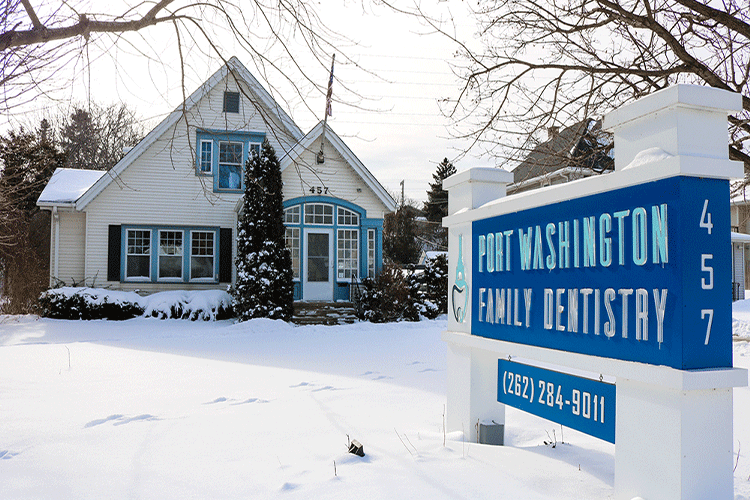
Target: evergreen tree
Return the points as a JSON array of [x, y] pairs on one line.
[[264, 286], [27, 161], [80, 141], [95, 139], [436, 206], [400, 243]]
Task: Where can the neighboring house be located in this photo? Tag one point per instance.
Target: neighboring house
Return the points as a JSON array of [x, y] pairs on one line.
[[578, 151], [431, 254], [165, 216], [740, 216], [581, 151]]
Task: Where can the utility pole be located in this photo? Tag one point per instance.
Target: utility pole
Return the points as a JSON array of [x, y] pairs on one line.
[[402, 193]]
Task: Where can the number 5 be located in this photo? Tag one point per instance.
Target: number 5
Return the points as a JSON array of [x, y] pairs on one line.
[[707, 285], [710, 314]]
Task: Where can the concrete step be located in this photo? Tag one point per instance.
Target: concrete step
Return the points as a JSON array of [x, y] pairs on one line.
[[324, 313]]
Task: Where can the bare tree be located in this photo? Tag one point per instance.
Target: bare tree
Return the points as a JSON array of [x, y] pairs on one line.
[[538, 65], [96, 139], [42, 45]]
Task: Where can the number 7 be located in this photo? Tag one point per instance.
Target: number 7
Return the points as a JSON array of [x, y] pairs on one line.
[[710, 314]]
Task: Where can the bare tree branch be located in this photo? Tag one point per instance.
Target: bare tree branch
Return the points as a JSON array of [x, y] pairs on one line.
[[535, 64]]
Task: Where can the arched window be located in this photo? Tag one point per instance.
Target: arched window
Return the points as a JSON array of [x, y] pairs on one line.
[[347, 217]]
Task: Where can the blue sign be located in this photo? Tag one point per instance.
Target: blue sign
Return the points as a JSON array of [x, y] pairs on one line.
[[576, 402], [641, 273]]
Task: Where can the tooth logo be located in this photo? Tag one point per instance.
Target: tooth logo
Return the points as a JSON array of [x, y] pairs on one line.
[[460, 292]]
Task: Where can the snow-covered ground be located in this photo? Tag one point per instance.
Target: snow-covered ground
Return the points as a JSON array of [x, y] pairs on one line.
[[162, 409]]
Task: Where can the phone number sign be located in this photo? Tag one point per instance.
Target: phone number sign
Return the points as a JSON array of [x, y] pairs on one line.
[[580, 403]]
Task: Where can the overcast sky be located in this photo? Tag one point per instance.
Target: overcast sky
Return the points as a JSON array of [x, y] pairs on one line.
[[396, 129]]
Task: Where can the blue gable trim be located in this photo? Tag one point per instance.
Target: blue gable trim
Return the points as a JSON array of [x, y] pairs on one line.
[[340, 285], [327, 199]]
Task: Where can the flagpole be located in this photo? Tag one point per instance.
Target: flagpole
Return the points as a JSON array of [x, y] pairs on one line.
[[329, 96]]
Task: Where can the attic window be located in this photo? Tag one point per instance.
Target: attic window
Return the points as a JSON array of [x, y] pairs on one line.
[[231, 102]]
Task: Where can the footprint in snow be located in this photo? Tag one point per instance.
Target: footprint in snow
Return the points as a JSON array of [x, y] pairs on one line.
[[217, 400], [7, 455], [101, 421], [326, 388], [119, 420], [382, 377], [135, 419], [301, 384], [247, 401], [428, 370]]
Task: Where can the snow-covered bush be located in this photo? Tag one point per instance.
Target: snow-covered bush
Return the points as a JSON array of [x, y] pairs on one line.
[[391, 296], [207, 305], [405, 294], [96, 303], [89, 303], [432, 286]]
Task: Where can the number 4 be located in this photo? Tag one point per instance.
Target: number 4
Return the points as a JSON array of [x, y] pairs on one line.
[[706, 218], [710, 314]]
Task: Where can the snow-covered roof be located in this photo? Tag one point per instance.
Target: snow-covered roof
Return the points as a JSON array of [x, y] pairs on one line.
[[740, 237], [67, 185]]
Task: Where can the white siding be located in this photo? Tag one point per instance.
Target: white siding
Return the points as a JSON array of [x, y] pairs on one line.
[[335, 174], [72, 241], [161, 187]]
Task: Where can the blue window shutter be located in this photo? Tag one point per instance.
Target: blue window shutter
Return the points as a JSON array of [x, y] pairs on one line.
[[225, 255], [114, 249]]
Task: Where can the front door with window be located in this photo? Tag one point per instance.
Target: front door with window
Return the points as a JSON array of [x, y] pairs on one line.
[[318, 265]]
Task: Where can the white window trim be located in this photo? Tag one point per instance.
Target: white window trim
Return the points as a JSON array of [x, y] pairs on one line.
[[299, 251], [299, 214], [355, 269], [333, 215], [371, 239], [342, 216], [215, 277], [219, 163], [159, 256], [142, 279], [210, 170]]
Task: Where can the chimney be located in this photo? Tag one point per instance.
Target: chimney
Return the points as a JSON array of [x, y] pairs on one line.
[[552, 132]]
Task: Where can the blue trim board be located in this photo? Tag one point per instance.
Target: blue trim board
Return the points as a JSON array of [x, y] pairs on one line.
[[340, 293], [216, 136]]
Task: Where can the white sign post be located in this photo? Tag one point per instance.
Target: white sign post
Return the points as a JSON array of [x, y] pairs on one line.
[[624, 275]]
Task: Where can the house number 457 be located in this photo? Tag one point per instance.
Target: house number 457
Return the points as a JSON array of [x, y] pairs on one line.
[[707, 271]]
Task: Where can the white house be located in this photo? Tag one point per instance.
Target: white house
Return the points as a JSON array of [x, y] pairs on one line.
[[165, 216]]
